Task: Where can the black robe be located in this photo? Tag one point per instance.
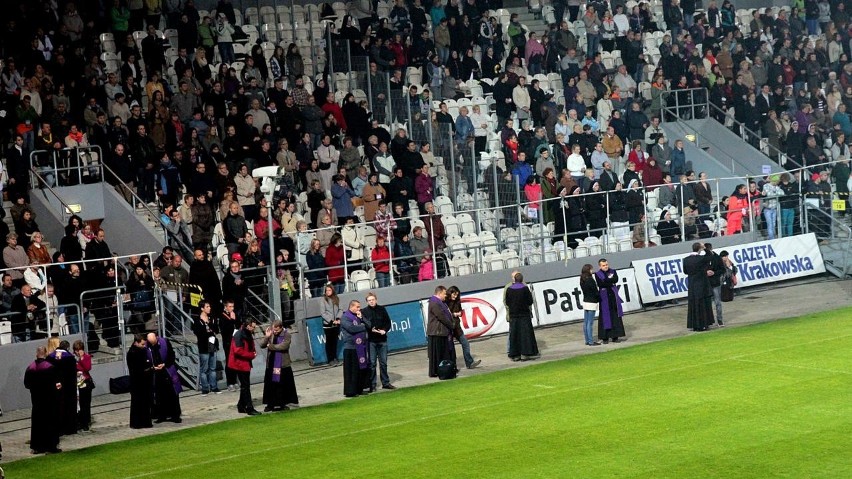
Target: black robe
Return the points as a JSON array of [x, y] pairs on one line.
[[66, 371], [141, 382], [519, 299], [699, 313], [41, 379]]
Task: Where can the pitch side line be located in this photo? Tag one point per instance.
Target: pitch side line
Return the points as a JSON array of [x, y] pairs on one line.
[[474, 408]]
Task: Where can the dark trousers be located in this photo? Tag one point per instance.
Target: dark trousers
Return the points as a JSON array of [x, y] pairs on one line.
[[230, 374], [84, 417], [331, 337], [245, 404]]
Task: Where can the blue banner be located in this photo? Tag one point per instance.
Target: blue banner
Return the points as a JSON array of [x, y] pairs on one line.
[[407, 331]]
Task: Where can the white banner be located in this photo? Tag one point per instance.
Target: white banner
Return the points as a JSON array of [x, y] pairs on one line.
[[560, 300], [483, 313], [662, 279]]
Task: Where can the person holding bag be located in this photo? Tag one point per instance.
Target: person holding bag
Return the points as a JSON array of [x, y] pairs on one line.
[[85, 384]]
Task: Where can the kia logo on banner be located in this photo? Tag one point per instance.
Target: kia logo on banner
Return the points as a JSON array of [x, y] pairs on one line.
[[478, 317], [483, 313]]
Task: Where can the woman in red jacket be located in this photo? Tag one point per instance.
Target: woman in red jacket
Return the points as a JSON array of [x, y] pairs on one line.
[[334, 257], [84, 385], [381, 262], [737, 208], [241, 355]]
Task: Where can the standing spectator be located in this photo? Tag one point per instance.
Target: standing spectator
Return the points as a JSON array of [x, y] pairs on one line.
[[228, 324], [206, 329], [241, 356], [279, 386], [378, 324], [85, 384], [380, 257], [331, 314], [453, 300], [224, 32]]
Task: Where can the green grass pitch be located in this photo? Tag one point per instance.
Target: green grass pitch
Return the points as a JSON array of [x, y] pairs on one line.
[[772, 400]]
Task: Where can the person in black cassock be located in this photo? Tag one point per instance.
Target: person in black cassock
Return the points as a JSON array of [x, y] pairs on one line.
[[439, 329], [66, 371], [697, 266], [279, 387], [518, 300], [166, 381], [141, 382], [610, 325], [42, 380]]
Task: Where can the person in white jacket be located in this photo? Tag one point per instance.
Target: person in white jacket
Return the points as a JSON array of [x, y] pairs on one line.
[[224, 32], [480, 128], [384, 163], [521, 98], [353, 242], [328, 157]]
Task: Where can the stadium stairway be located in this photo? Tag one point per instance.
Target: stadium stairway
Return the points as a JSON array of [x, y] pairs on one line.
[[718, 151], [533, 21], [128, 231]]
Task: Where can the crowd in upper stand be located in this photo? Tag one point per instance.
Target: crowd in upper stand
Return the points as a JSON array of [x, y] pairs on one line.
[[185, 104]]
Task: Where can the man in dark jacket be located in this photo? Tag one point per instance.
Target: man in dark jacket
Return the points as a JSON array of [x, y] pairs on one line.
[[378, 325], [241, 354], [718, 268]]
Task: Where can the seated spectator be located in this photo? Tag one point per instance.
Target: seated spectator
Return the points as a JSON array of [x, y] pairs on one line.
[[668, 230]]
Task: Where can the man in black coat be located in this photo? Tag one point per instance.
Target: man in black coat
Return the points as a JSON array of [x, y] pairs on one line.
[[42, 381], [378, 324], [698, 267]]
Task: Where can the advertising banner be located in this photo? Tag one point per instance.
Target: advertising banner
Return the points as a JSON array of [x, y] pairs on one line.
[[483, 313], [560, 300], [406, 331], [662, 279]]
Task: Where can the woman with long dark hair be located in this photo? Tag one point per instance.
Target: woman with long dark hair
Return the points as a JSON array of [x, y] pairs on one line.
[[591, 300], [738, 205], [331, 314], [453, 301]]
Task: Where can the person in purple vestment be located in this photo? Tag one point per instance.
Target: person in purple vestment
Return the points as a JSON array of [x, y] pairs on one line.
[[356, 355], [279, 386], [610, 325], [166, 381], [43, 382]]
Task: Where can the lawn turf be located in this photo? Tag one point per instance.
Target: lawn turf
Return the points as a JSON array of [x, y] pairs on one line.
[[770, 400]]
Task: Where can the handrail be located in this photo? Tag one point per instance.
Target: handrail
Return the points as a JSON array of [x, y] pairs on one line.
[[66, 209], [264, 304], [56, 169], [137, 200]]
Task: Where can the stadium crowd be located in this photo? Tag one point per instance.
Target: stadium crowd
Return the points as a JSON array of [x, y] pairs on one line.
[[185, 133]]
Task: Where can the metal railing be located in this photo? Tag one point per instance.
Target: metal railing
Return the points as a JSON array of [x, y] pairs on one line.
[[699, 106], [65, 209], [68, 166], [137, 203]]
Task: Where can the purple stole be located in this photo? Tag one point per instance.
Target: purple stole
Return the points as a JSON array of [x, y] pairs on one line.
[[170, 370], [605, 316], [278, 357], [360, 343]]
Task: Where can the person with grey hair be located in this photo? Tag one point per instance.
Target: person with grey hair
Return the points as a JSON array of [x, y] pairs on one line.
[[519, 300]]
